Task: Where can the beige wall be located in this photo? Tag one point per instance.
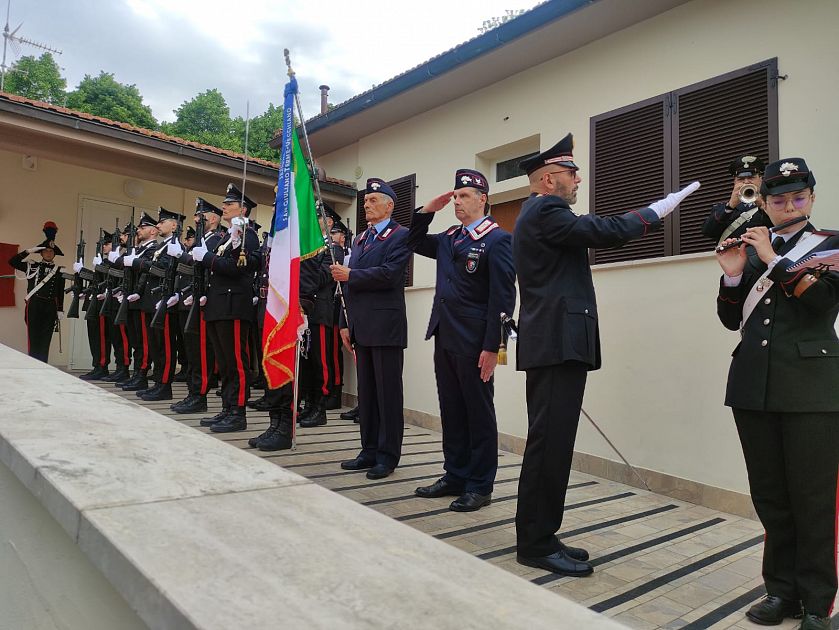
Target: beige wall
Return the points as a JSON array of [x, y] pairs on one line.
[[54, 191], [659, 395]]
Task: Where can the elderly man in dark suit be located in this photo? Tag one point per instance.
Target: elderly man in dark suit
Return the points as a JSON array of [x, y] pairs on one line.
[[783, 388], [378, 326], [558, 339], [475, 285]]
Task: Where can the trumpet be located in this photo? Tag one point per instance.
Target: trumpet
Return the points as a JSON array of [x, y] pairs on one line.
[[748, 193], [739, 241]]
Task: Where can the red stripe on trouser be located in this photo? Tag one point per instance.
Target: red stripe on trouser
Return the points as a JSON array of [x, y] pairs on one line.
[[202, 342], [336, 348], [102, 341], [240, 368], [126, 351], [167, 350], [323, 361], [144, 364]]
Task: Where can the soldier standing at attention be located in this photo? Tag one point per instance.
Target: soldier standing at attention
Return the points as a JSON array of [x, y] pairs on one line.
[[559, 341], [44, 292], [475, 285]]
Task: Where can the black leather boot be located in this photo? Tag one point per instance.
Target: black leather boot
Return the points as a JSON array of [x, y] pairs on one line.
[[208, 422], [121, 374], [88, 375], [139, 383], [317, 418], [235, 420], [193, 404], [335, 397], [260, 404], [307, 406], [280, 438], [771, 611], [161, 392], [128, 378], [352, 414], [96, 374], [149, 390]]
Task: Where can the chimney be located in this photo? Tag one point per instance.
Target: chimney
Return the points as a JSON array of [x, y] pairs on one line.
[[324, 98]]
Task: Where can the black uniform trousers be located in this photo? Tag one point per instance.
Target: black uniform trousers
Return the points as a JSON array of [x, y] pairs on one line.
[[40, 315], [467, 411], [120, 343], [99, 340], [554, 399], [138, 335], [337, 357], [201, 359], [281, 398], [793, 463], [380, 403], [316, 370], [229, 338], [165, 348]]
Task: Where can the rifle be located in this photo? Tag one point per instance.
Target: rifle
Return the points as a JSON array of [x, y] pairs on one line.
[[193, 318], [93, 306], [127, 284], [167, 272], [104, 269], [78, 283]]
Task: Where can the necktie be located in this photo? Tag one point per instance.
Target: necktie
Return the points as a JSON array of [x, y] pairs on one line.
[[371, 236], [778, 243]]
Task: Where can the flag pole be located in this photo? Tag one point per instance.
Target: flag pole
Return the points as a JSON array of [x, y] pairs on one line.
[[319, 204]]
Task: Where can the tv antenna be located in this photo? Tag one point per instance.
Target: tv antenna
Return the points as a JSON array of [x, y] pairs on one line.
[[11, 38]]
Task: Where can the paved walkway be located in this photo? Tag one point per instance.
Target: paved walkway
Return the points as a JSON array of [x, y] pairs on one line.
[[659, 562]]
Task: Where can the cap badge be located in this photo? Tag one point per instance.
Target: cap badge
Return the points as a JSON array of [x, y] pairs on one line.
[[465, 179], [229, 187], [375, 185], [787, 168], [748, 159]]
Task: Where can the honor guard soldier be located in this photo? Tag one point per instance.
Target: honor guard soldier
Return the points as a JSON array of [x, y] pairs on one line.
[[782, 390], [200, 353], [183, 358], [558, 340], [374, 291], [338, 234], [745, 206], [120, 339], [44, 292], [99, 327], [138, 321], [229, 309], [475, 286], [156, 297]]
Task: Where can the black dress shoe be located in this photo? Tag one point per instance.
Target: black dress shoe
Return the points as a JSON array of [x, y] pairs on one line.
[[440, 488], [812, 622], [557, 562], [357, 464], [379, 471], [575, 553], [771, 611], [88, 375], [352, 414], [470, 502], [235, 420]]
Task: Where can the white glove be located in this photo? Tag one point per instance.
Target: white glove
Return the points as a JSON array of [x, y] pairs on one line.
[[97, 260], [255, 300], [60, 315], [113, 255], [188, 300], [665, 206], [100, 296], [157, 304], [35, 250], [128, 260], [173, 300], [198, 252], [133, 297], [174, 249], [119, 297], [77, 267], [202, 301]]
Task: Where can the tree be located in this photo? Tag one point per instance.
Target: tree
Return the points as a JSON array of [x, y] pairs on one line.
[[39, 79], [105, 96], [206, 119], [495, 22], [262, 130]]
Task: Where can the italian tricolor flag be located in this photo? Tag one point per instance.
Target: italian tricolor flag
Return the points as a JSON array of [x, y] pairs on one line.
[[295, 236]]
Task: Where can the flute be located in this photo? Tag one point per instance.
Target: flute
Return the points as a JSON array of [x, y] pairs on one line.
[[739, 241]]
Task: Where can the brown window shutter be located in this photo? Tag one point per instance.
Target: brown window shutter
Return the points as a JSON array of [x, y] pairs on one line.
[[630, 170], [714, 122], [403, 211]]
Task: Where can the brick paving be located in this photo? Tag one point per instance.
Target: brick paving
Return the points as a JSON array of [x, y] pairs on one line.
[[659, 563]]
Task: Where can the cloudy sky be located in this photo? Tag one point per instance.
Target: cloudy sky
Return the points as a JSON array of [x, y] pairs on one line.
[[174, 49]]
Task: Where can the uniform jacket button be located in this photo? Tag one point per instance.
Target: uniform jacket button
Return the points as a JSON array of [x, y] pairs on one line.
[[766, 322], [824, 351], [767, 301], [764, 343]]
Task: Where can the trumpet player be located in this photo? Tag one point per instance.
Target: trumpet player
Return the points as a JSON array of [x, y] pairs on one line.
[[744, 208]]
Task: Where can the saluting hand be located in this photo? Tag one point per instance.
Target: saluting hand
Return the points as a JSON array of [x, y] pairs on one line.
[[487, 362], [340, 273], [438, 203]]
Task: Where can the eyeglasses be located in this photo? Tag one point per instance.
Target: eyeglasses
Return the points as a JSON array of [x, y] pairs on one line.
[[779, 202], [567, 170]]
